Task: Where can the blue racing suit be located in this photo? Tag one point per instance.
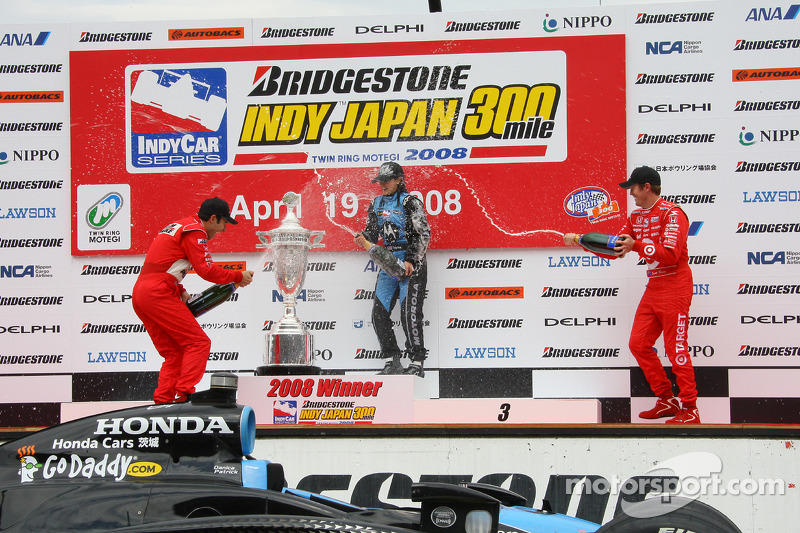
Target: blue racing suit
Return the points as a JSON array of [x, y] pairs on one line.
[[400, 221]]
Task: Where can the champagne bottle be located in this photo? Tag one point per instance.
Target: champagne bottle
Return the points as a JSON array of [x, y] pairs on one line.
[[385, 259], [210, 298], [599, 243]]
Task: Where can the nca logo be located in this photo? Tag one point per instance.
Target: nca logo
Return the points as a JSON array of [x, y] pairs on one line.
[[156, 425], [664, 47], [766, 258]]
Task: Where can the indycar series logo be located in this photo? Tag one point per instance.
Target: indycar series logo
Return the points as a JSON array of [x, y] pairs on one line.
[[176, 118]]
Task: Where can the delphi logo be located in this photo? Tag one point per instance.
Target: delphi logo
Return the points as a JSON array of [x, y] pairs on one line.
[[177, 118]]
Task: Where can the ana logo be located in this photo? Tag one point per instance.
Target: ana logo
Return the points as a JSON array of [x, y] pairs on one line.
[[772, 13], [100, 214], [178, 118], [24, 39], [549, 24], [747, 138]]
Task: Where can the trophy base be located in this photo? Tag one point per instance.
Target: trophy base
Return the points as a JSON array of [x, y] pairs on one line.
[[288, 370]]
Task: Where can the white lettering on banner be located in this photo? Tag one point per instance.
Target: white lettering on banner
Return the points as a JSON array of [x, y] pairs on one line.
[[155, 425]]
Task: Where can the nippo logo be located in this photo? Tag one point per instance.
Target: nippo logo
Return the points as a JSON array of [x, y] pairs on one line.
[[100, 214], [590, 202]]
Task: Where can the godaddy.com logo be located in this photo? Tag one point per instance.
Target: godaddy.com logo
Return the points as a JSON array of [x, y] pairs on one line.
[[690, 476], [100, 214]]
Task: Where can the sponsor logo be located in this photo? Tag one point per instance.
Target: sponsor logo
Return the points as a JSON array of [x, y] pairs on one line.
[[577, 261], [550, 24], [485, 352], [657, 79], [702, 259], [30, 126], [768, 14], [471, 264], [487, 293], [17, 97], [487, 323], [363, 353], [121, 37], [321, 266], [673, 47], [28, 212], [766, 74], [580, 292], [747, 288], [73, 466], [178, 117], [305, 295], [34, 330], [462, 27], [31, 185], [770, 196], [747, 138], [766, 351], [701, 289], [320, 325], [144, 469], [593, 203], [550, 351], [773, 166], [772, 44], [37, 359], [106, 298], [31, 300], [88, 327], [769, 319], [774, 105], [166, 425], [691, 198], [122, 270], [668, 18], [200, 34], [24, 39], [284, 412], [30, 156], [770, 258], [31, 69], [227, 265], [223, 356], [103, 211], [580, 321], [673, 108], [25, 271], [279, 33], [786, 227], [386, 29], [363, 294], [694, 227], [703, 320], [678, 138]]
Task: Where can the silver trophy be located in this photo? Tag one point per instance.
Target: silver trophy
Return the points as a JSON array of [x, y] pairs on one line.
[[290, 347]]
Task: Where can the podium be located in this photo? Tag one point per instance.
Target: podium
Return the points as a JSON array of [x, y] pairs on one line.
[[374, 399]]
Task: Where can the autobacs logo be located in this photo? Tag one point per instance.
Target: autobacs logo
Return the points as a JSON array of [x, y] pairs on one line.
[[177, 118], [196, 34]]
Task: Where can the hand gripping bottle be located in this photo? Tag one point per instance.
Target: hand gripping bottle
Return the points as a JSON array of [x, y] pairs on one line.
[[385, 259], [210, 298]]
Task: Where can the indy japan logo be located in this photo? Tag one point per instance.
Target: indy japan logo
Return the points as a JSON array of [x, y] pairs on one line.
[[176, 118]]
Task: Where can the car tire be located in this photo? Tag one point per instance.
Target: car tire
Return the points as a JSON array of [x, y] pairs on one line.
[[650, 516]]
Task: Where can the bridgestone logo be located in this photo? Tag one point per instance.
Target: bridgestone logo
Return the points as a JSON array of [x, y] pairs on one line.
[[644, 18], [655, 79], [776, 44], [112, 328], [491, 323], [746, 288], [691, 198], [455, 27], [789, 227], [762, 351], [31, 300], [464, 264], [777, 105], [88, 37], [580, 352], [778, 166], [32, 243], [275, 33], [582, 292], [31, 359], [686, 138], [361, 353], [89, 270], [31, 184]]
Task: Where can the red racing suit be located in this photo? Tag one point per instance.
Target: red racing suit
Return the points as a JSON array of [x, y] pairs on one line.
[[661, 232], [175, 333]]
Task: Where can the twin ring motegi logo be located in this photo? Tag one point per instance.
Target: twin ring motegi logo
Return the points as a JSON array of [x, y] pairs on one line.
[[176, 117]]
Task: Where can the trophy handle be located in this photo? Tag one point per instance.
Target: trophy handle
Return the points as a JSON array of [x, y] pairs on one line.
[[316, 239], [265, 238]]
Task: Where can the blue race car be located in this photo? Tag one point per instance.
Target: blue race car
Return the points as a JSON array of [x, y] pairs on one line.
[[187, 467]]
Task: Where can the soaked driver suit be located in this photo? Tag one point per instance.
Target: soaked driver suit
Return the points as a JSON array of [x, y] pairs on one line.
[[660, 234], [400, 220], [157, 301]]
